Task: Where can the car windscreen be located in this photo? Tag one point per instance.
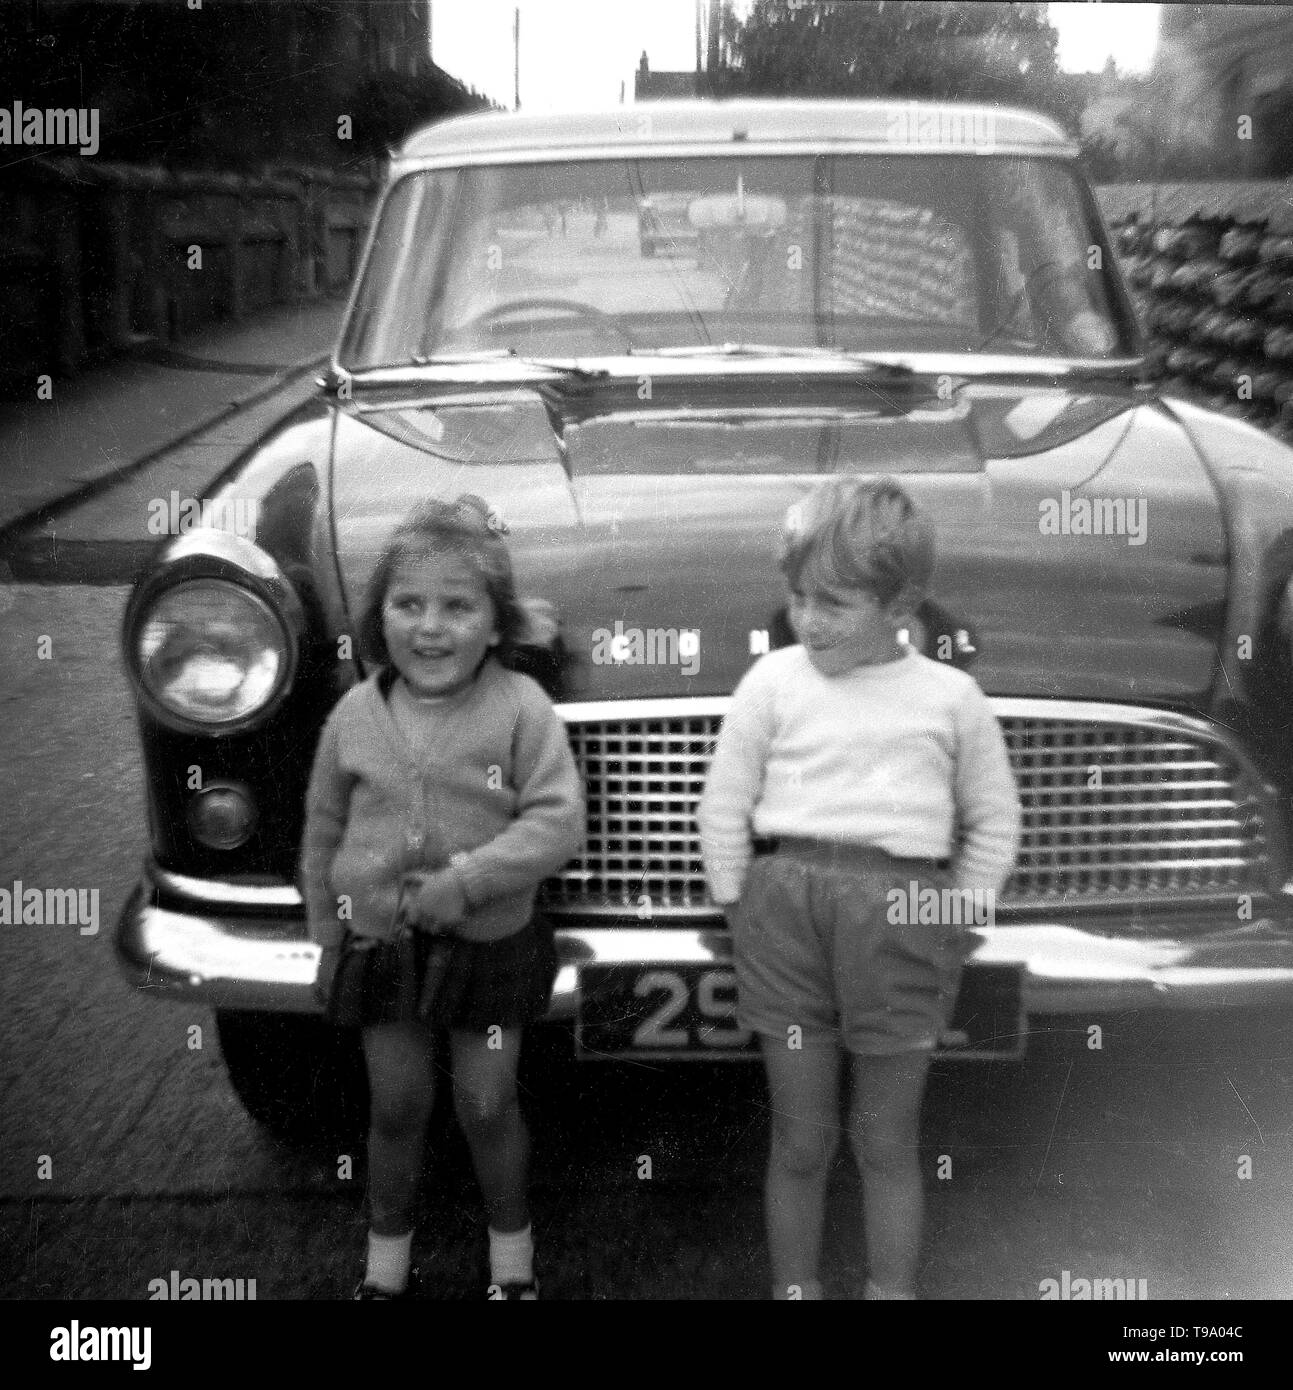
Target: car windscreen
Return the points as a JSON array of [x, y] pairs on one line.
[[858, 253]]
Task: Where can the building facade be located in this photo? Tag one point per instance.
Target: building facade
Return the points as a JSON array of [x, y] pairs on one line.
[[228, 83]]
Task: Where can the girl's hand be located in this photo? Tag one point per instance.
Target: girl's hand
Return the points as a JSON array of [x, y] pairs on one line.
[[434, 899]]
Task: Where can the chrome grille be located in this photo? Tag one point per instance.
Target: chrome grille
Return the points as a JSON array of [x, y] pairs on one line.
[[1156, 807], [1117, 801]]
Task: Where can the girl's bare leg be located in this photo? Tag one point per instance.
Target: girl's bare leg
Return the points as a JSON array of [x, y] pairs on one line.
[[401, 1082], [485, 1098]]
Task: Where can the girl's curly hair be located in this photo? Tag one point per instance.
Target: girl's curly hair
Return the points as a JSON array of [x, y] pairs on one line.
[[859, 533], [468, 528]]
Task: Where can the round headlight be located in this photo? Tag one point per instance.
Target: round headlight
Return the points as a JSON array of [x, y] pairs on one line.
[[211, 652]]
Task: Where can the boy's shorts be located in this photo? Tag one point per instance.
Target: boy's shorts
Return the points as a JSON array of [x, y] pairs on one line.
[[815, 948]]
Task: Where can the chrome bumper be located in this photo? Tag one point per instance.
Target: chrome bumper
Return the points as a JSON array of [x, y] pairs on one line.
[[242, 947]]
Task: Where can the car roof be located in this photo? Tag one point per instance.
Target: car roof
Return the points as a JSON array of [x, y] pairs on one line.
[[663, 126]]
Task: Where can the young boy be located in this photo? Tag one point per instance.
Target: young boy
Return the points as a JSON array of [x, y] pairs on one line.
[[850, 766]]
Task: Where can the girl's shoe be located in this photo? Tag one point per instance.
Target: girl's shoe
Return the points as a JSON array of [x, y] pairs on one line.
[[526, 1293], [412, 1289]]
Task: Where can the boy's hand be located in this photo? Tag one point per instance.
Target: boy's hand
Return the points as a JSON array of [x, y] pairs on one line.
[[433, 900], [329, 956]]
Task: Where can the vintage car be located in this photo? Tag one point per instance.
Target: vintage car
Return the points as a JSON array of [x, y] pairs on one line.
[[921, 290]]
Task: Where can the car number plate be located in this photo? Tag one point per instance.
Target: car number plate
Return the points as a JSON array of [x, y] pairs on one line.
[[645, 1011], [689, 1011]]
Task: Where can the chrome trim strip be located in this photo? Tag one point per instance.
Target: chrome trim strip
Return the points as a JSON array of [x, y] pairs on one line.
[[219, 892], [524, 151], [1194, 961], [1011, 912], [589, 711]]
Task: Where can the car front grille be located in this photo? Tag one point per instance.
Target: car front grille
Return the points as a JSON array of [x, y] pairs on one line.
[[1118, 803]]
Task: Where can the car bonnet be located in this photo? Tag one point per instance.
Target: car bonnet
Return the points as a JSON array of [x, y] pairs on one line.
[[1079, 539]]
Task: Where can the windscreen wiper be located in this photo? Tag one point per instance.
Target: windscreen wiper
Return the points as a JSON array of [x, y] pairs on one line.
[[767, 350], [568, 367], [564, 375]]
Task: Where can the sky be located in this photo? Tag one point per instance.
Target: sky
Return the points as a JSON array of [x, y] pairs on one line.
[[577, 53], [1091, 33]]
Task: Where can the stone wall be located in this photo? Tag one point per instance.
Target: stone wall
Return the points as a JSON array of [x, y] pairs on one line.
[[1210, 266]]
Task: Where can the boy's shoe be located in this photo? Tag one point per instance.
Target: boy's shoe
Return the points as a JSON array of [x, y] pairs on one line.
[[526, 1293], [412, 1289]]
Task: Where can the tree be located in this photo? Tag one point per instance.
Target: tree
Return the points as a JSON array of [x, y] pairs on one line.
[[998, 53], [1130, 131]]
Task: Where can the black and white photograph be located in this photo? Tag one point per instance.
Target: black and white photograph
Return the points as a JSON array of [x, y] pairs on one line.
[[646, 653]]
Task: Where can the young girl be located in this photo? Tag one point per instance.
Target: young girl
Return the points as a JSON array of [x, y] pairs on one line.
[[860, 766], [443, 792]]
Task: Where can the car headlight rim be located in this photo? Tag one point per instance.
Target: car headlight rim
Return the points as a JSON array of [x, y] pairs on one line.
[[237, 667]]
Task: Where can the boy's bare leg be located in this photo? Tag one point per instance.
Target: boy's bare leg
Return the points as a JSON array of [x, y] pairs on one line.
[[884, 1130], [803, 1087]]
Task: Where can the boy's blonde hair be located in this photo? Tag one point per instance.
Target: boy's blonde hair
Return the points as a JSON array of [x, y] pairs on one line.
[[859, 533]]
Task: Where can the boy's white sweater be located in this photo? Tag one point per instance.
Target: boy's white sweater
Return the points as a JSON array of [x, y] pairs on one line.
[[906, 756]]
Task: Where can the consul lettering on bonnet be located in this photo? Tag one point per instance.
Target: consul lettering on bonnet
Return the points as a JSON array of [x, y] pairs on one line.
[[642, 342]]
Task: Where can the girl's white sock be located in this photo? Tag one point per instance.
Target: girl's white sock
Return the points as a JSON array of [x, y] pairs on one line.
[[388, 1261], [511, 1256]]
